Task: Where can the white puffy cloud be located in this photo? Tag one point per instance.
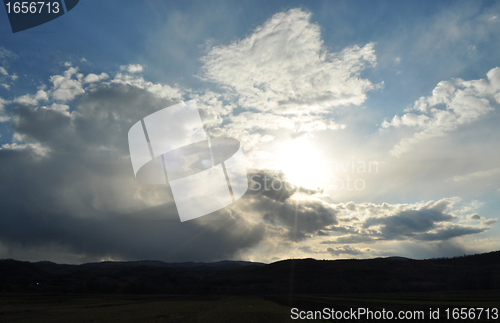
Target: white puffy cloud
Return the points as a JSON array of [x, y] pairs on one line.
[[30, 99], [36, 148], [70, 84], [452, 103], [132, 68], [285, 80], [91, 78], [65, 86], [162, 90], [283, 67], [58, 107], [3, 71]]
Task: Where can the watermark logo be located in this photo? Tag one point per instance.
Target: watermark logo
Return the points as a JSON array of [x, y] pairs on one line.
[[28, 14], [348, 175], [205, 174]]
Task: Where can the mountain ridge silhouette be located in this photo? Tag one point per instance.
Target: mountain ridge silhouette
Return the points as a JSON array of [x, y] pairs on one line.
[[304, 276]]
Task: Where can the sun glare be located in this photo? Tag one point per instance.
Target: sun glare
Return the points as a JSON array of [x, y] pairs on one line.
[[302, 164]]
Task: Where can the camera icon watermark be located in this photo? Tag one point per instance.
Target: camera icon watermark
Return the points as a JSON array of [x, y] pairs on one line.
[[205, 174]]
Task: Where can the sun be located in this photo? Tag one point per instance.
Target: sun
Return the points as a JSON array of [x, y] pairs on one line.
[[302, 164]]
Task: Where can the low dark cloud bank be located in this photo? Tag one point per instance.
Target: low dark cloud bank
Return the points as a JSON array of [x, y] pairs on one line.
[[70, 183]]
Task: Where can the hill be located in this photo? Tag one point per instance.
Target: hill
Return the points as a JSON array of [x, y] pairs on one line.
[[297, 276]]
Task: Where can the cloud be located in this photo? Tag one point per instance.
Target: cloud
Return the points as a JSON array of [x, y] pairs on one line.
[[293, 219], [452, 103], [67, 184], [407, 223], [149, 234], [344, 250], [91, 78], [429, 221], [132, 68], [71, 84], [251, 121], [448, 233], [475, 175], [353, 238], [29, 99], [282, 80], [67, 181], [3, 114], [476, 217], [65, 86], [453, 33], [161, 90], [6, 57], [270, 184], [80, 158], [298, 217], [283, 67]]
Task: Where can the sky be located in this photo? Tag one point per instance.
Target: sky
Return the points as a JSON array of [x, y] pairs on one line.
[[369, 129]]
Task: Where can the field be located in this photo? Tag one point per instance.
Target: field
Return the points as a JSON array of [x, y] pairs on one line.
[[64, 308], [121, 308]]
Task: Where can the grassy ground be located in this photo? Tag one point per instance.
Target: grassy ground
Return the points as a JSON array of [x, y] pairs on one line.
[[120, 308], [72, 308]]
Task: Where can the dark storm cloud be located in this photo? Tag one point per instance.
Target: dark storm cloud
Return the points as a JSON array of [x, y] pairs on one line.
[[475, 216], [101, 119], [72, 185], [448, 233], [269, 194], [296, 235], [270, 184], [408, 223], [154, 233], [300, 217], [428, 223]]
